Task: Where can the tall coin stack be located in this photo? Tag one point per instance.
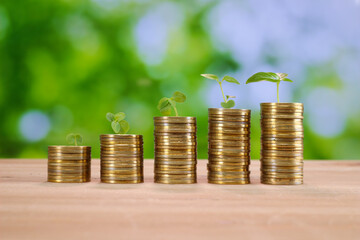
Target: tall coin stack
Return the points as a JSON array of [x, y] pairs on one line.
[[175, 150], [282, 137], [229, 146], [121, 158], [69, 164]]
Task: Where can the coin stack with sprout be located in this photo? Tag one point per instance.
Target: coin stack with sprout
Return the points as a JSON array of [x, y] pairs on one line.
[[175, 150], [121, 158], [229, 146], [69, 164], [282, 146]]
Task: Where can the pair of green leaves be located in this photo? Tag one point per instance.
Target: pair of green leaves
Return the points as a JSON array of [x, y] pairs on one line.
[[74, 138], [270, 77], [118, 122], [228, 103], [166, 104]]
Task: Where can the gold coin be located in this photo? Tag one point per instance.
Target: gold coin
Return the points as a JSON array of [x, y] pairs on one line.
[[190, 156], [229, 111], [121, 160], [240, 179], [123, 181], [282, 181], [281, 170], [167, 181], [172, 167], [69, 149], [68, 181], [228, 137], [50, 165], [175, 119], [118, 177], [168, 175], [229, 182], [121, 164], [220, 147], [121, 136], [157, 171], [225, 168], [175, 162], [68, 158]]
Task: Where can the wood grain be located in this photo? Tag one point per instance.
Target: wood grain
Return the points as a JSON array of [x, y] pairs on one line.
[[327, 206]]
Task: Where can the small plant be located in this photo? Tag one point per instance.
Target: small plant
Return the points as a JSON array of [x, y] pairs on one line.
[[165, 104], [118, 122], [74, 138], [228, 103], [270, 77]]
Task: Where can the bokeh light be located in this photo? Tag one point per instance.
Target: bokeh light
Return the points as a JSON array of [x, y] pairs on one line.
[[34, 126]]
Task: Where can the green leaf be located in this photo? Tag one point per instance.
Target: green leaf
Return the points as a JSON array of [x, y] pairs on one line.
[[110, 116], [228, 96], [264, 76], [120, 116], [282, 75], [166, 111], [163, 103], [172, 103], [124, 126], [115, 126], [210, 76], [164, 106], [228, 104], [179, 97], [79, 138], [230, 79], [287, 80], [70, 138]]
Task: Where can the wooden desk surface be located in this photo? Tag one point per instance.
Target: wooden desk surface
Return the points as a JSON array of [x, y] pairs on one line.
[[327, 206]]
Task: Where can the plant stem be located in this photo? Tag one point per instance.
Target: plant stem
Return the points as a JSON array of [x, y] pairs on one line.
[[173, 106], [75, 141], [222, 91], [277, 88]]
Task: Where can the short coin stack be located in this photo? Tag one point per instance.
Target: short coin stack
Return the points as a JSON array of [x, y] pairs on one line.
[[121, 158], [282, 143], [175, 150], [229, 146], [69, 164]]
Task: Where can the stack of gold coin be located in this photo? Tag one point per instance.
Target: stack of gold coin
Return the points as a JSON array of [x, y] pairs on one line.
[[282, 146], [69, 164], [229, 146], [175, 150], [121, 158]]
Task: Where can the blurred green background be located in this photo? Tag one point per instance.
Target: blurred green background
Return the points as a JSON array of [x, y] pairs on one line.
[[65, 64]]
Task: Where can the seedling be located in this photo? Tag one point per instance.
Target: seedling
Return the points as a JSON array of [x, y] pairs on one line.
[[270, 77], [74, 138], [228, 103], [118, 122], [166, 104]]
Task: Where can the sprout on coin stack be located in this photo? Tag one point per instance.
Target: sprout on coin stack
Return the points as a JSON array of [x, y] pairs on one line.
[[69, 164], [121, 154], [281, 136], [229, 140], [175, 144]]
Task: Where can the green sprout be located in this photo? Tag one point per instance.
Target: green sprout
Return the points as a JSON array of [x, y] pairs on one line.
[[74, 138], [118, 124], [165, 104], [227, 103], [270, 77]]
